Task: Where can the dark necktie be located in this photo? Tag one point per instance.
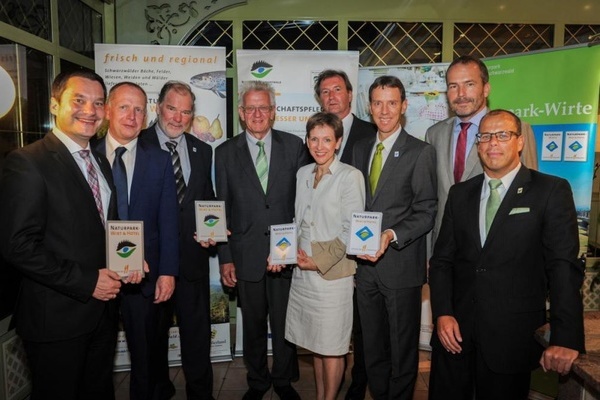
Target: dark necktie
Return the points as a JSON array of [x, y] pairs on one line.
[[461, 151], [120, 177], [179, 181], [92, 178]]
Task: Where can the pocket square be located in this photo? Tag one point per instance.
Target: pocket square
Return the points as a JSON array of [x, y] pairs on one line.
[[519, 210]]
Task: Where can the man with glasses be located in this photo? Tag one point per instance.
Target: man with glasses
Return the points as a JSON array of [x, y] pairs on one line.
[[256, 177], [468, 88], [509, 236]]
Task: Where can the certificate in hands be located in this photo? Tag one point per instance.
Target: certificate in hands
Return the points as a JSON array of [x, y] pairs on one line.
[[210, 221], [365, 233], [125, 247], [284, 244]]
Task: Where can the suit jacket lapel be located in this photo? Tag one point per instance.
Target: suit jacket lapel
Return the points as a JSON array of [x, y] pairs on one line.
[[472, 211], [363, 155], [277, 159], [472, 161], [450, 152], [63, 155], [139, 172], [195, 166], [247, 164], [518, 187]]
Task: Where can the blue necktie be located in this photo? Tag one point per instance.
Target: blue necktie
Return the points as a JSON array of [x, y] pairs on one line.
[[120, 178]]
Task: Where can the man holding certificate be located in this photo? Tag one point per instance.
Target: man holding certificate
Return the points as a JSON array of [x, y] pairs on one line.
[[145, 192], [192, 163], [256, 177], [400, 177]]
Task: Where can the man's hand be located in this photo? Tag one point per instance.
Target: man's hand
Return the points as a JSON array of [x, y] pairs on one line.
[[228, 274], [205, 243], [386, 237], [136, 276], [559, 359], [165, 285], [449, 333], [107, 286]]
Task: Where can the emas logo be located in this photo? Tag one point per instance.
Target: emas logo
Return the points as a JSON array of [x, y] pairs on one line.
[[125, 249], [283, 244], [364, 233], [260, 69], [211, 220]]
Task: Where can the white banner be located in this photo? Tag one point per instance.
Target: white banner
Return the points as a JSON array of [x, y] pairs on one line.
[[292, 74], [203, 68]]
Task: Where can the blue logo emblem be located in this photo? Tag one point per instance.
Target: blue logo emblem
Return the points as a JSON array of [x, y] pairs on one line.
[[552, 146], [575, 146], [364, 233], [283, 244]]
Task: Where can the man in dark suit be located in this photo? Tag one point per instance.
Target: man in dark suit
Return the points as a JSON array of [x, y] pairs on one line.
[[468, 88], [55, 196], [509, 236], [400, 177], [256, 177], [192, 293], [148, 195], [334, 92]]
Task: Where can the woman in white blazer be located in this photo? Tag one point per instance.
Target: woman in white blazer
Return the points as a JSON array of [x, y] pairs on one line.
[[319, 314]]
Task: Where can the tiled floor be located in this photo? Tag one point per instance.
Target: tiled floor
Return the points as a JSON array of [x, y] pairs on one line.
[[230, 380]]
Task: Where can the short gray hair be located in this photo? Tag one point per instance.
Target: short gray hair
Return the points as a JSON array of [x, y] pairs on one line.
[[256, 86]]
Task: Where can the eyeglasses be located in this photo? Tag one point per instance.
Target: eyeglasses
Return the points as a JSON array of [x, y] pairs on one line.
[[252, 109], [502, 136]]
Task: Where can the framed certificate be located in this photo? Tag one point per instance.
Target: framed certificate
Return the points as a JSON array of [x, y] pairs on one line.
[[210, 221], [125, 247], [365, 233], [284, 244]]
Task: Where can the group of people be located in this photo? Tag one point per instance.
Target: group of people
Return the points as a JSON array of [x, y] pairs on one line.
[[504, 240]]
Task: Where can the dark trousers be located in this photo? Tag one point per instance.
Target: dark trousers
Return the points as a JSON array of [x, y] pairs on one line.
[[260, 300], [147, 343], [75, 369], [390, 320], [359, 372], [192, 305], [467, 377]]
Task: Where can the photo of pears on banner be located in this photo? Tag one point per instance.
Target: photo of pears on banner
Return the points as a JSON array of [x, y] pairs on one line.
[[125, 247], [365, 233], [210, 221]]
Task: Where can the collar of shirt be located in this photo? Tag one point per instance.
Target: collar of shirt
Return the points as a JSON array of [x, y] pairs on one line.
[[268, 139], [506, 182], [69, 143], [128, 156], [388, 143], [332, 167], [473, 129], [163, 139]]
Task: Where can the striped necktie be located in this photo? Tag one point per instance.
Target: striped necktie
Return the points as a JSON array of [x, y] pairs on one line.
[[179, 181], [262, 168], [493, 203], [92, 178]]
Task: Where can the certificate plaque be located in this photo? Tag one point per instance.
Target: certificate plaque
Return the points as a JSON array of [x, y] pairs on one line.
[[284, 244], [125, 247], [210, 221], [365, 233]]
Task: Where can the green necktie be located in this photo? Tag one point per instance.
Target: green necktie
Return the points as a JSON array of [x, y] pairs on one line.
[[493, 203], [376, 168], [262, 168]]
